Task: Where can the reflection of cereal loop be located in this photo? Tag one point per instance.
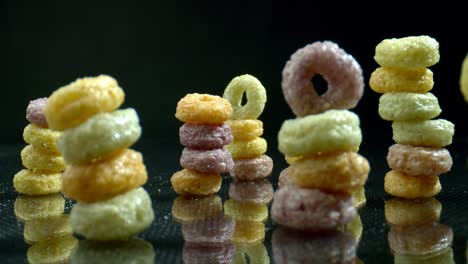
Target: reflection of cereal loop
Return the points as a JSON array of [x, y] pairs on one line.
[[339, 69], [203, 109], [255, 93], [29, 207], [187, 209], [403, 212], [464, 79]]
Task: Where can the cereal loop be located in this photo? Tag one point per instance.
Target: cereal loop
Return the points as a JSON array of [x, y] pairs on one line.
[[410, 187], [203, 109], [43, 139], [35, 114], [247, 149], [245, 130], [55, 250], [106, 178], [408, 106], [46, 228], [464, 79], [36, 160], [187, 209], [408, 52], [255, 94], [36, 183], [198, 136], [252, 168], [359, 197], [430, 133], [29, 207], [207, 161], [248, 232], [404, 212], [333, 130], [189, 182], [339, 69], [390, 80], [71, 105], [246, 211]]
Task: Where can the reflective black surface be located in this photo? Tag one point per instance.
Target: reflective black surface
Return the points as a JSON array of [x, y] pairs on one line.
[[166, 237]]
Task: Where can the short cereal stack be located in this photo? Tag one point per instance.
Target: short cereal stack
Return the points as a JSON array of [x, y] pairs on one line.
[[203, 135], [41, 158], [103, 175], [419, 156], [320, 143]]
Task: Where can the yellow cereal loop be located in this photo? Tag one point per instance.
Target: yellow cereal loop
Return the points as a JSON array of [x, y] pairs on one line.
[[186, 182], [430, 133], [203, 109], [35, 207], [188, 209], [464, 79], [410, 187], [36, 160], [255, 94], [333, 130], [45, 228], [72, 104], [390, 80], [291, 160], [256, 253], [408, 52], [247, 149], [248, 232], [408, 106], [43, 139], [245, 130], [37, 183], [412, 212], [354, 228], [245, 210], [444, 256], [359, 197], [55, 250]]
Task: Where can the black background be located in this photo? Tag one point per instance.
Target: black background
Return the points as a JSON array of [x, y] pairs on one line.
[[162, 50]]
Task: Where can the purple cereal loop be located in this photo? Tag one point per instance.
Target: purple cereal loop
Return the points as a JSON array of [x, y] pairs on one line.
[[252, 169], [207, 161], [211, 230], [259, 191], [205, 136], [34, 112]]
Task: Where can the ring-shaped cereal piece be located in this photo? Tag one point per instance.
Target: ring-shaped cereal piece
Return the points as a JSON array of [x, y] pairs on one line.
[[415, 160], [257, 252], [252, 169], [37, 183], [408, 106], [35, 114], [390, 80], [43, 139], [411, 187], [36, 160], [247, 149], [248, 232], [207, 253], [335, 172], [359, 197], [403, 212], [199, 136], [187, 209], [429, 133], [203, 109], [258, 192], [331, 131], [106, 178], [245, 130], [408, 52], [54, 250], [72, 104], [46, 228], [217, 229], [100, 135], [207, 161], [255, 94], [190, 182], [29, 207], [246, 211], [464, 79], [339, 69]]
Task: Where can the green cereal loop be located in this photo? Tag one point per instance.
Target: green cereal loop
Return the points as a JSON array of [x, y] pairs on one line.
[[429, 133], [464, 79], [408, 106], [255, 93], [333, 130]]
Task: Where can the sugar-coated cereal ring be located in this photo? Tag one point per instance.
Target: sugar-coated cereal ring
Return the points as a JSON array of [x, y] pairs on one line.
[[209, 253], [72, 104], [36, 207], [444, 256], [359, 197], [106, 178], [35, 114], [36, 160], [187, 209], [247, 149], [430, 133], [55, 250], [334, 130], [37, 183], [284, 178], [245, 129], [100, 135], [335, 172], [408, 106], [414, 160], [390, 80], [257, 252], [311, 209], [203, 109], [207, 161], [46, 228], [410, 187], [42, 139], [190, 182], [255, 94], [118, 218], [259, 192], [218, 229], [403, 212], [408, 52], [248, 232], [198, 136], [464, 78], [252, 169], [245, 210], [117, 252], [339, 69]]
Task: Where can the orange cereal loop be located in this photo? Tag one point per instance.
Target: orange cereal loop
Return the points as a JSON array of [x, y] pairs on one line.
[[203, 109], [72, 104], [410, 187], [105, 178], [190, 182], [391, 80]]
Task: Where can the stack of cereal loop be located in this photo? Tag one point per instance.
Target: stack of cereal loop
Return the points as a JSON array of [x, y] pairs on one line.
[[203, 135], [102, 174], [419, 156], [321, 143], [41, 158]]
